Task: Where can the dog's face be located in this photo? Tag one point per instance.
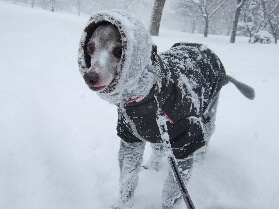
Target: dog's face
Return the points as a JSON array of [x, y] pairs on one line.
[[105, 50]]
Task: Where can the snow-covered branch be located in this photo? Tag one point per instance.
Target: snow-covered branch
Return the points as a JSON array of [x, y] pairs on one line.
[[217, 8]]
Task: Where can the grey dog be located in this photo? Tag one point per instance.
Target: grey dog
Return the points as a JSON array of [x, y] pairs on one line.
[[174, 93]]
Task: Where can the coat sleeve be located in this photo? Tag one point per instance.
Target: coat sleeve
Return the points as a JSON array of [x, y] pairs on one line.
[[124, 131], [186, 137]]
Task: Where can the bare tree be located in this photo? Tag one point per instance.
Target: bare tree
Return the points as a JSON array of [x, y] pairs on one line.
[[271, 15], [227, 16], [129, 4], [43, 4], [252, 19], [156, 17], [32, 3], [188, 13], [79, 6], [52, 5], [208, 8], [240, 4], [203, 8]]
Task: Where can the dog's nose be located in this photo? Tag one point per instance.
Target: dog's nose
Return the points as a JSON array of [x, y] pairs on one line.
[[91, 78]]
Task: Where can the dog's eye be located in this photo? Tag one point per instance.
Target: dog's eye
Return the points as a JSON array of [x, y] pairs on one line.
[[117, 52], [90, 48]]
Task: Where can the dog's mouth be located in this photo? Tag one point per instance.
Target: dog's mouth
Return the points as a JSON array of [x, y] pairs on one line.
[[97, 88], [106, 88], [111, 86]]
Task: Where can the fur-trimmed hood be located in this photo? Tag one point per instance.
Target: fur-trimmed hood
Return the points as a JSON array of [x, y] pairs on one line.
[[135, 71]]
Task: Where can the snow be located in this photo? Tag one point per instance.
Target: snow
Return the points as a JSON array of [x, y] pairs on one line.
[[58, 143], [262, 36]]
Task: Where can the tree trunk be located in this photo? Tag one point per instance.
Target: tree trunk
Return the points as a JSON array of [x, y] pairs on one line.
[[240, 4], [156, 17], [193, 20], [32, 3], [271, 25], [79, 6], [43, 4], [206, 19], [52, 5]]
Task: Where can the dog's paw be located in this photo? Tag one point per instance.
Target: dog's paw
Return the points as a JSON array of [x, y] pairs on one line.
[[121, 205]]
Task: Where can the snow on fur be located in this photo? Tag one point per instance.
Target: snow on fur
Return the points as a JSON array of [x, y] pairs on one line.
[[135, 78]]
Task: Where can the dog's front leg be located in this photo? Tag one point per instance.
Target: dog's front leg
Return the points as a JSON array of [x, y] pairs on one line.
[[158, 152], [171, 195], [130, 160]]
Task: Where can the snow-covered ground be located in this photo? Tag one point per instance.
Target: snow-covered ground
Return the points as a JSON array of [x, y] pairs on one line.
[[58, 143]]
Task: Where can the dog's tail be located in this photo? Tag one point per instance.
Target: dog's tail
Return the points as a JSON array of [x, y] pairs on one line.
[[246, 90]]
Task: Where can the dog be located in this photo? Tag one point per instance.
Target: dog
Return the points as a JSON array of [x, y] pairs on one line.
[[168, 99]]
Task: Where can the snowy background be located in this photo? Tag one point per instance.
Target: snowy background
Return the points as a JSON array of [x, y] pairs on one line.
[[58, 143]]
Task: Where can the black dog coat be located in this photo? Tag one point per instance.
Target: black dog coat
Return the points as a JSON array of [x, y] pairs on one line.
[[191, 77]]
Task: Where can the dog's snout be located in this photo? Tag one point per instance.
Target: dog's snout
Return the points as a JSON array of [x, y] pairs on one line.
[[91, 78]]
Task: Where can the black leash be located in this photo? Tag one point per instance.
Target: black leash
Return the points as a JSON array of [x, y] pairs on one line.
[[185, 194], [164, 133]]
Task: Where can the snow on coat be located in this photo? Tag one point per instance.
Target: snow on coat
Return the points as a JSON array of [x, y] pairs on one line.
[[190, 76]]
